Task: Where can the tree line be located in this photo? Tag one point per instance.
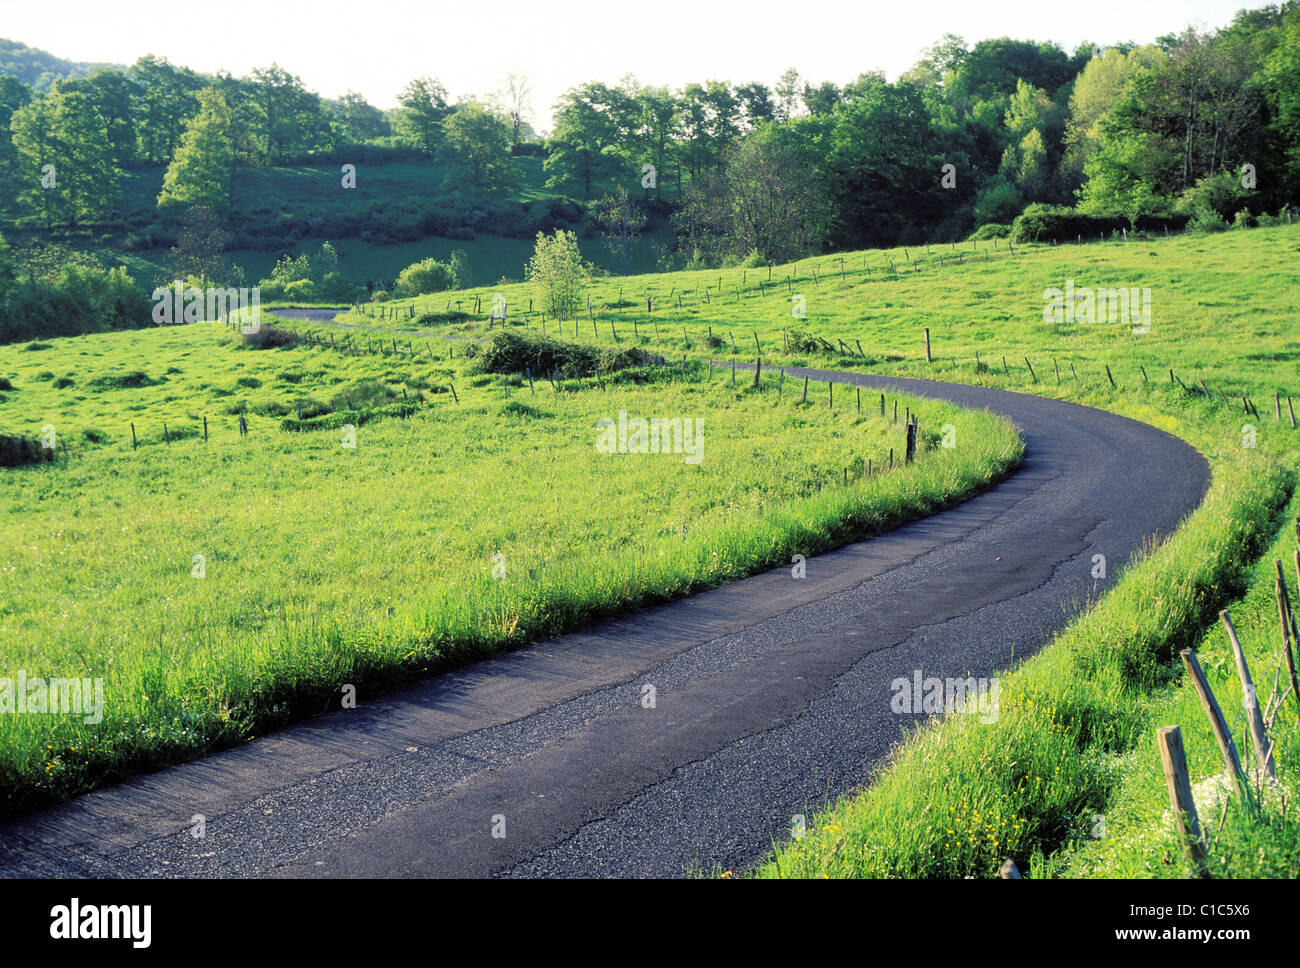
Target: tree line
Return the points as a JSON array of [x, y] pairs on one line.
[[1205, 124]]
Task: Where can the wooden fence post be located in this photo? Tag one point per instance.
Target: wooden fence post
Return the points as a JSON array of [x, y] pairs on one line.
[[1169, 739], [927, 344], [1218, 725], [1254, 717]]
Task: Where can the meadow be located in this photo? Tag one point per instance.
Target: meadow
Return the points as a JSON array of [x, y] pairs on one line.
[[1075, 742], [223, 583], [300, 206]]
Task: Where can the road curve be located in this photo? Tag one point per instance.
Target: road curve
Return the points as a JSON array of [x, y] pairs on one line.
[[771, 694]]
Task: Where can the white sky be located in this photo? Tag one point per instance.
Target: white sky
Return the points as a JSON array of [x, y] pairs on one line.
[[376, 46]]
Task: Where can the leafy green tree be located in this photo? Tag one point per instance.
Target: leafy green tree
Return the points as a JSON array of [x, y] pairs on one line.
[[621, 219], [357, 120], [202, 172], [476, 149], [423, 106], [164, 100], [1280, 77], [821, 99], [881, 166], [64, 129], [460, 268], [293, 118], [558, 272], [660, 119], [588, 148], [763, 201], [14, 94], [787, 95], [200, 249], [1097, 88], [756, 100]]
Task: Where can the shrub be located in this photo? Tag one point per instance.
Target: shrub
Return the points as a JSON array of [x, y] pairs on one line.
[[541, 355], [438, 319], [426, 276], [16, 451], [558, 273], [270, 337], [123, 381], [990, 230], [1047, 223], [998, 202]]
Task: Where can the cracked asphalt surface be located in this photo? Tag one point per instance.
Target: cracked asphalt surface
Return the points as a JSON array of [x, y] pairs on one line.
[[771, 695]]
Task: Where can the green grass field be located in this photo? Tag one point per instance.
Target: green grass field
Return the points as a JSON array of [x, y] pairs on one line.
[[1076, 738], [298, 611], [324, 565]]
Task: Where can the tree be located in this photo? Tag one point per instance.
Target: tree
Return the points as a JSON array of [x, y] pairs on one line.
[[293, 118], [787, 93], [622, 220], [821, 99], [1281, 82], [659, 125], [1097, 88], [515, 92], [200, 249], [65, 130], [762, 201], [14, 94], [165, 98], [423, 106], [881, 165], [202, 172], [756, 100], [460, 268], [588, 148], [476, 148], [558, 273], [357, 120]]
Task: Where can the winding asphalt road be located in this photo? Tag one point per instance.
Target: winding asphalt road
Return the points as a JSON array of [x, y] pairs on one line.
[[771, 694]]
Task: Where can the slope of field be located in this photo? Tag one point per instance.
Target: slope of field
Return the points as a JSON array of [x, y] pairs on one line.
[[1079, 720], [225, 586]]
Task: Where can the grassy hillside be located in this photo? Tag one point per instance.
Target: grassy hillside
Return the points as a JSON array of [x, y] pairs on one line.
[[325, 565], [396, 215], [1075, 740]]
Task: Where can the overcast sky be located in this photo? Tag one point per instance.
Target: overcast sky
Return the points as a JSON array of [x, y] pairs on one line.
[[376, 46]]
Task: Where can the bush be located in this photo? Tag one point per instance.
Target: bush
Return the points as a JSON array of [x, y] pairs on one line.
[[1220, 194], [270, 337], [123, 381], [541, 355], [16, 451], [438, 319], [998, 202], [426, 276], [1047, 223], [990, 230]]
